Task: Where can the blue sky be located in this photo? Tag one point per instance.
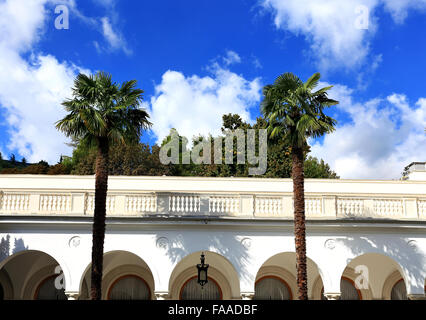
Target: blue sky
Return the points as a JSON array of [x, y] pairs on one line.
[[197, 60]]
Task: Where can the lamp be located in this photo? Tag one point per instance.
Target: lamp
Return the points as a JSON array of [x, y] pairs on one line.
[[202, 271]]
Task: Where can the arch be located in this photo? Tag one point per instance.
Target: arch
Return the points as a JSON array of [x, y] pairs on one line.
[[211, 280], [390, 282], [22, 272], [220, 270], [283, 266], [46, 281], [352, 283], [6, 284], [127, 276], [380, 269], [286, 285], [118, 264]]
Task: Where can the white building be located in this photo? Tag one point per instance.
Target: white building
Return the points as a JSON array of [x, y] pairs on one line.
[[366, 239]]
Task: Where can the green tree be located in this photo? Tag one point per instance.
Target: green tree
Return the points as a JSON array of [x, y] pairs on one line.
[[294, 113], [315, 168], [102, 113]]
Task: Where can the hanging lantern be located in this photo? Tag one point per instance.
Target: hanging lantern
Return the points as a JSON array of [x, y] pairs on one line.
[[202, 271]]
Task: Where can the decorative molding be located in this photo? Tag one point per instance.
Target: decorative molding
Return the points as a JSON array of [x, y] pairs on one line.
[[413, 245], [74, 242], [246, 242], [163, 243], [330, 244]]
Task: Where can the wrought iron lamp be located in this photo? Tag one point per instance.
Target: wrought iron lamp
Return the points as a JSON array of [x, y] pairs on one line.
[[202, 271]]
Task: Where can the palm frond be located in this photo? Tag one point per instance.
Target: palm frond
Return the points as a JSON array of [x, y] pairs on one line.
[[100, 108]]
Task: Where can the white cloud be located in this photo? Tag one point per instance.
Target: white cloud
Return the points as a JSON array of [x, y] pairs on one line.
[[115, 40], [256, 63], [399, 8], [381, 138], [20, 23], [231, 58], [194, 105], [331, 26], [31, 90]]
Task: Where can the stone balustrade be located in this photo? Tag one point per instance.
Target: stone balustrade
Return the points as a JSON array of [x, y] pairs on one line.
[[215, 205]]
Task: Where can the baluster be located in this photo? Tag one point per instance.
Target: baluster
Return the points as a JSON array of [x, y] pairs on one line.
[[178, 203]]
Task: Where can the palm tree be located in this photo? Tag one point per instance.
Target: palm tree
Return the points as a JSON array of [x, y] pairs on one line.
[[102, 113], [295, 113]]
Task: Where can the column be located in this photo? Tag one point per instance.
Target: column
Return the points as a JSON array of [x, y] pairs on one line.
[[332, 295], [247, 295], [161, 295], [72, 295]]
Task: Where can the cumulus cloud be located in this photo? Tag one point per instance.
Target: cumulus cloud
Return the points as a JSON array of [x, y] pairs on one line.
[[31, 90], [381, 137], [194, 105], [336, 28]]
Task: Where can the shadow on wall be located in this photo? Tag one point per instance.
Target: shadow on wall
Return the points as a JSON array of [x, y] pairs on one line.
[[406, 253], [18, 246], [229, 246]]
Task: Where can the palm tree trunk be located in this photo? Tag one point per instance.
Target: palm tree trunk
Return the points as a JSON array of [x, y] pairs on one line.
[[101, 187], [299, 222]]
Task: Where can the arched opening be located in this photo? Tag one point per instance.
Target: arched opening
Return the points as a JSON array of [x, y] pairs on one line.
[[276, 278], [348, 291], [129, 287], [223, 278], [272, 288], [125, 277], [191, 290], [399, 291], [47, 290], [32, 274], [372, 276]]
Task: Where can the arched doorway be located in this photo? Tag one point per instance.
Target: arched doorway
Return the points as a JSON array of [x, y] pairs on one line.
[[276, 278], [32, 274], [125, 277], [348, 290], [373, 276], [191, 290], [223, 278], [399, 291], [272, 288], [47, 290], [129, 287]]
